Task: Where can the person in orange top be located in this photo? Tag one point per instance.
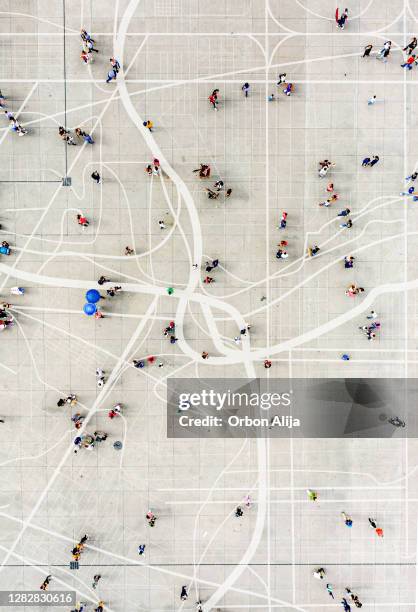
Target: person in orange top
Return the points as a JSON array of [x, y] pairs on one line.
[[148, 124], [378, 530]]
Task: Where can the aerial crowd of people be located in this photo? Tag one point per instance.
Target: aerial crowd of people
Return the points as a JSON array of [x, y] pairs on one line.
[[210, 269]]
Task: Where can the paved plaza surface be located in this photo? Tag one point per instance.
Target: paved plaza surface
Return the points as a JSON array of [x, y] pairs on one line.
[[173, 53]]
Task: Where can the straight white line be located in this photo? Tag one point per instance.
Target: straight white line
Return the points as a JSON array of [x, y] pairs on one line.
[[315, 605], [316, 488], [318, 360], [296, 501], [205, 34], [213, 78]]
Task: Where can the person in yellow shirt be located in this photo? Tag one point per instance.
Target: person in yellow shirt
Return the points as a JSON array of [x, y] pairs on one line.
[[148, 124]]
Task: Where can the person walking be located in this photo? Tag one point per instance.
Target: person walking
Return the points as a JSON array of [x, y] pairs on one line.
[[349, 261], [246, 89], [312, 495], [347, 520], [283, 220], [96, 177], [281, 254], [83, 540], [183, 593], [356, 600], [341, 19], [330, 590], [351, 291], [44, 585], [138, 363], [90, 46], [319, 574], [82, 220], [204, 171], [412, 177], [329, 201], [141, 549], [212, 195], [410, 62], [148, 124], [378, 530], [384, 51], [85, 57], [115, 64], [151, 518], [370, 335], [213, 101], [374, 161], [372, 315], [96, 579], [17, 291], [114, 412], [111, 75], [83, 135], [85, 36], [411, 45], [312, 251], [346, 605], [100, 436], [367, 50], [344, 213], [366, 161], [372, 100], [288, 89]]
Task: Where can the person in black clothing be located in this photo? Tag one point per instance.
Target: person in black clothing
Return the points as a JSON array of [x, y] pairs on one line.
[[411, 45], [367, 50]]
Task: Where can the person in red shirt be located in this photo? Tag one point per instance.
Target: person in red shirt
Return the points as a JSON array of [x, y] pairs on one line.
[[81, 220], [378, 530], [409, 64], [213, 101]]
